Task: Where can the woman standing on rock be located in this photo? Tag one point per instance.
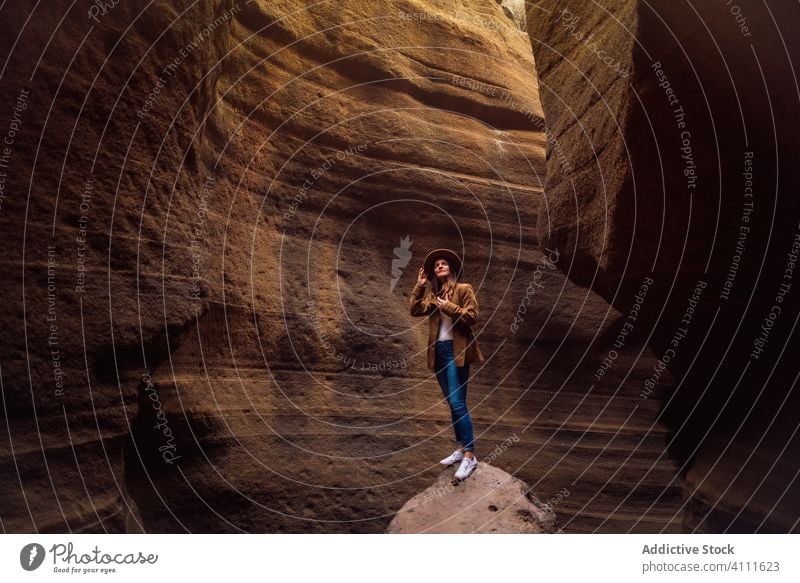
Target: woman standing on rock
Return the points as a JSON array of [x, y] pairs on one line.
[[452, 311]]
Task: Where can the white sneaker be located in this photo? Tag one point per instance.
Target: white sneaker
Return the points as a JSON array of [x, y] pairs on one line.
[[454, 457], [467, 466]]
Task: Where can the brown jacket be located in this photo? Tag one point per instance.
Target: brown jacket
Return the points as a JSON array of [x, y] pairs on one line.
[[463, 308]]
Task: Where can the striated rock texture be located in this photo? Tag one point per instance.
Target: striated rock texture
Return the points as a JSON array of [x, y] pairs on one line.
[[672, 140], [489, 501], [515, 10], [212, 215]]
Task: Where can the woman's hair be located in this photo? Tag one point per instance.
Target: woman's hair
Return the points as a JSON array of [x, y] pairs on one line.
[[439, 289]]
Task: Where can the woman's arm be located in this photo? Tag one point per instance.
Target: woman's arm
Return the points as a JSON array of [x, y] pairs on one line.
[[468, 313], [417, 308]]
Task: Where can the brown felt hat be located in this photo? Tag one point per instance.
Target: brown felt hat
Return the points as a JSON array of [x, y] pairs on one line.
[[453, 260]]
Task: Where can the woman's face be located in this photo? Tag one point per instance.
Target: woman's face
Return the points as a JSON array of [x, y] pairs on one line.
[[441, 268]]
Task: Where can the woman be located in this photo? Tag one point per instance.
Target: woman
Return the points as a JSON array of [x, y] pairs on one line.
[[452, 311]]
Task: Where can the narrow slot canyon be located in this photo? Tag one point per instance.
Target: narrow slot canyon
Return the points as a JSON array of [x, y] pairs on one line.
[[214, 213]]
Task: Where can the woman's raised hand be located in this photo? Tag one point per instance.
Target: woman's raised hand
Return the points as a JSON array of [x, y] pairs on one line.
[[422, 278]]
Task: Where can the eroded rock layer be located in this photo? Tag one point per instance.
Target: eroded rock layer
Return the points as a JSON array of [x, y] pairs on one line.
[[672, 134]]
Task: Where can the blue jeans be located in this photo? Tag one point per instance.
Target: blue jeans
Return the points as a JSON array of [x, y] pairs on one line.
[[453, 380]]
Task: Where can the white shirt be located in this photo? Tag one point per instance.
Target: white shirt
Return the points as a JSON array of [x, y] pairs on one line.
[[445, 327]]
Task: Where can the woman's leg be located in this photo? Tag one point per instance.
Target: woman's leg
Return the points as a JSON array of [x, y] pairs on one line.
[[453, 380], [458, 404], [447, 377]]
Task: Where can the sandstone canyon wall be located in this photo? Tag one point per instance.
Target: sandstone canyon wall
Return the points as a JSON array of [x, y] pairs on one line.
[[212, 217], [674, 139]]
